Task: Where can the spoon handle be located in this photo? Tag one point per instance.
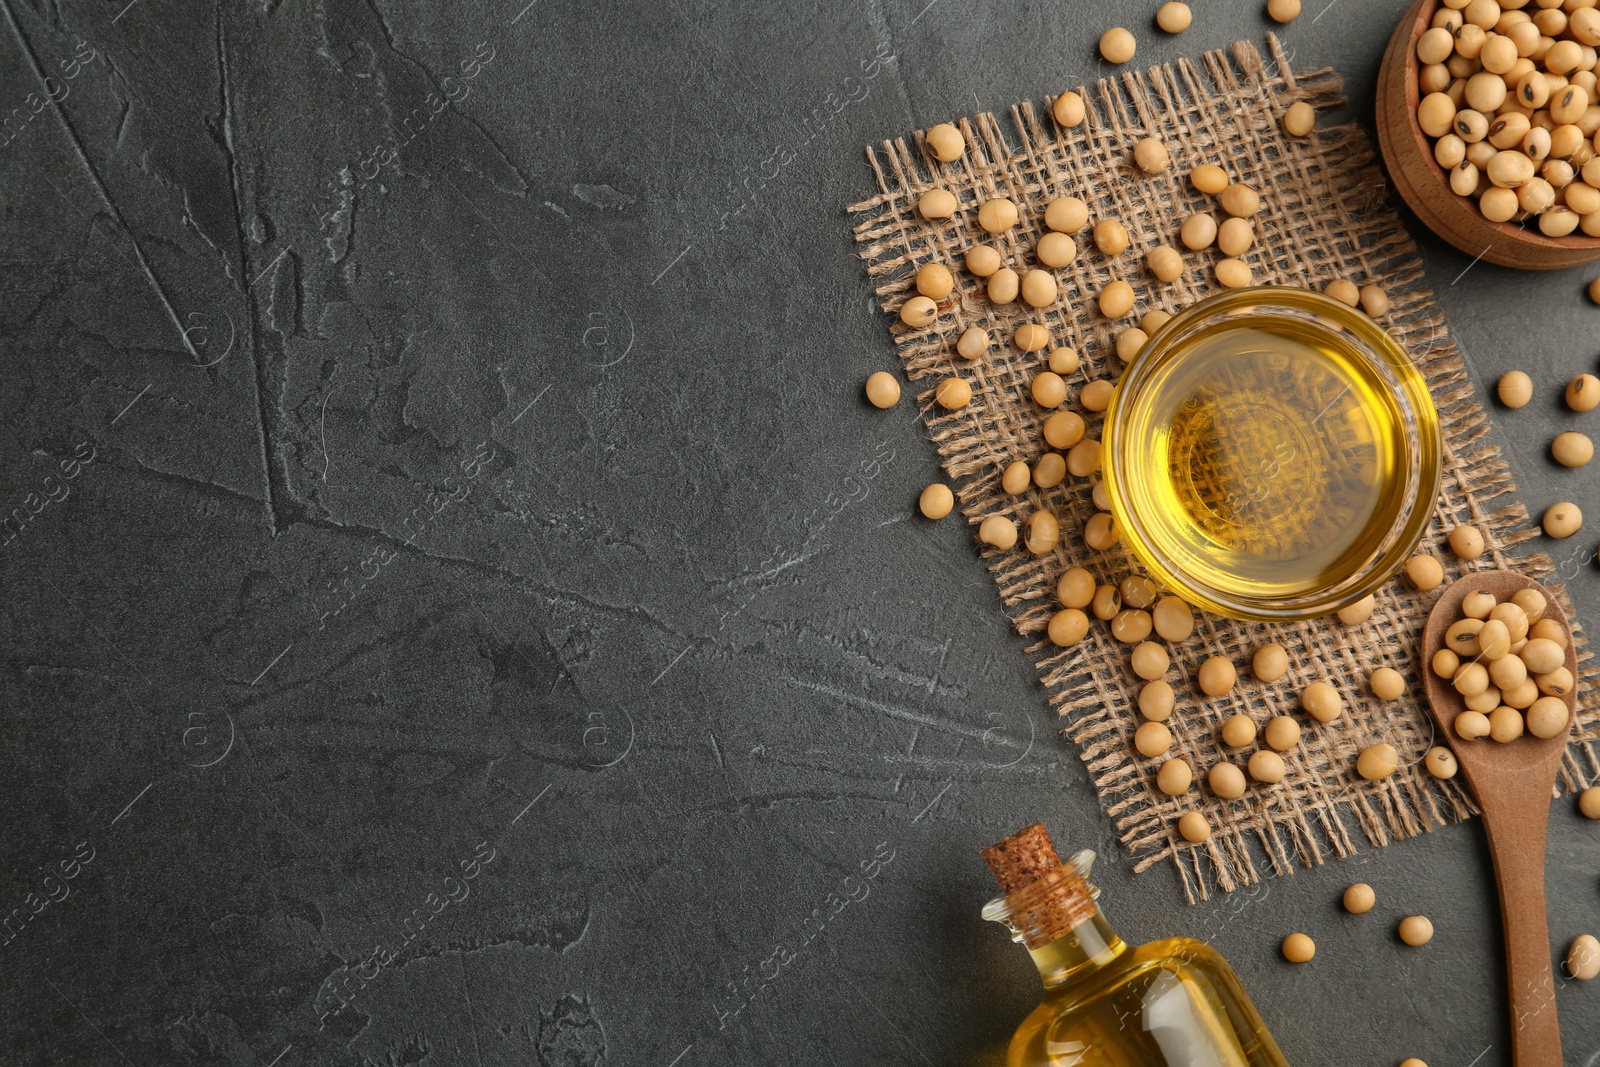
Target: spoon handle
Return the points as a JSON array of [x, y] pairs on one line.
[[1516, 813]]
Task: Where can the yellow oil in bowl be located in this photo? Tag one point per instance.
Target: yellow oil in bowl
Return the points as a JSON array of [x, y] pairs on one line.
[[1271, 454]]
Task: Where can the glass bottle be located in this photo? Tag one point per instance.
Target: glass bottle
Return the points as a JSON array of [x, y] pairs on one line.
[[1170, 1002]]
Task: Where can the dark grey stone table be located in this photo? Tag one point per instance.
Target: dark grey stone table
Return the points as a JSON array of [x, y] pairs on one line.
[[461, 611]]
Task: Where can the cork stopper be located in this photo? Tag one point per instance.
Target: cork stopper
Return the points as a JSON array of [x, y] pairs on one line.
[[1021, 858], [1045, 899]]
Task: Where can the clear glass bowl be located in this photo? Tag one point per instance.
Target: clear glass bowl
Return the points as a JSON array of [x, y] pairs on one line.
[[1238, 488]]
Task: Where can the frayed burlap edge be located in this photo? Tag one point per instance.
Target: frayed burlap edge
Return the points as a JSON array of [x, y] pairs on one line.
[[1324, 216]]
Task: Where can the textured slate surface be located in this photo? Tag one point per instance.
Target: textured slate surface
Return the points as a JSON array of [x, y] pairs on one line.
[[464, 612]]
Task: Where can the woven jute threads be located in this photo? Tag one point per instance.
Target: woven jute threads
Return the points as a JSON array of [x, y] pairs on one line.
[[1324, 217]]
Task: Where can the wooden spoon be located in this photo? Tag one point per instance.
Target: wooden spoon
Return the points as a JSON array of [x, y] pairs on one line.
[[1513, 784]]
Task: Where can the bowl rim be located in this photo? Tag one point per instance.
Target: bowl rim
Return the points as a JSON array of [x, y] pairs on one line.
[[1427, 438], [1420, 24]]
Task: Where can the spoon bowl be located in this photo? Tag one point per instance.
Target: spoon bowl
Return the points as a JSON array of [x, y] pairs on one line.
[[1513, 784]]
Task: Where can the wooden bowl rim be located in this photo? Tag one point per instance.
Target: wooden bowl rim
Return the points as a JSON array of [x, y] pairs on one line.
[[1413, 96]]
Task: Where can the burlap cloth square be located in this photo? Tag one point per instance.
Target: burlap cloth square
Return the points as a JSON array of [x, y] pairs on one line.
[[1324, 216]]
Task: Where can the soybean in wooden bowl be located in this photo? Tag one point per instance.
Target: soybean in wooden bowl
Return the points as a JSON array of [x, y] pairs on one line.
[[1425, 187]]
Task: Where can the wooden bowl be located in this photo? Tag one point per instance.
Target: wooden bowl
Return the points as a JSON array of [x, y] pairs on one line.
[[1424, 185]]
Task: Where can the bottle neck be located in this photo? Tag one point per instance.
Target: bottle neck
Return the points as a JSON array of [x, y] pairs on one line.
[[1055, 917], [1089, 946]]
